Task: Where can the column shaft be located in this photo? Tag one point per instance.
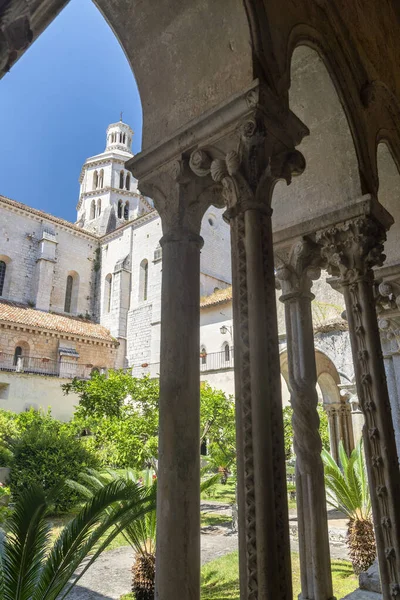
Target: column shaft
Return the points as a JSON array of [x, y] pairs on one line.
[[316, 578], [178, 491], [378, 434], [263, 514]]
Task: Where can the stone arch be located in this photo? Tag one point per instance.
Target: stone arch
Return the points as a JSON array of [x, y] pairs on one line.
[[331, 178], [338, 411], [389, 195]]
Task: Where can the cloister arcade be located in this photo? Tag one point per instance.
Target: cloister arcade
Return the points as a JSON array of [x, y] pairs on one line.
[[336, 406], [258, 105]]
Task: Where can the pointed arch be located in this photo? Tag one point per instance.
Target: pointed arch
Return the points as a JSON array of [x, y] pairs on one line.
[[99, 207], [101, 179], [126, 211], [119, 211], [71, 293], [3, 269], [227, 352], [121, 180], [128, 181], [95, 179]]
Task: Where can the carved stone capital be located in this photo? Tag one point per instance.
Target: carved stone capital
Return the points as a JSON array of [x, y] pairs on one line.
[[297, 268], [247, 168], [352, 248], [181, 198]]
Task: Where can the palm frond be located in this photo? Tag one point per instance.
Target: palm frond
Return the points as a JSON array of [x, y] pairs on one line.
[[82, 534], [25, 545], [346, 487]]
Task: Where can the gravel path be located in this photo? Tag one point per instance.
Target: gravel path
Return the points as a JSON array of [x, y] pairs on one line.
[[110, 576]]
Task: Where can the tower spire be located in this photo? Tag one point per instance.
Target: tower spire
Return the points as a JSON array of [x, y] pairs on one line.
[[120, 116]]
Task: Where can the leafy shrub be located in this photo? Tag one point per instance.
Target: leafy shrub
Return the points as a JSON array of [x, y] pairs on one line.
[[5, 456], [47, 453]]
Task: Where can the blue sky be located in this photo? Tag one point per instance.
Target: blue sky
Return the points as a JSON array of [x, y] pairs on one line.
[[55, 105]]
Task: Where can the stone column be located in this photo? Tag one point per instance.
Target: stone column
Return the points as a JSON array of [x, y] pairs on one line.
[[389, 339], [247, 167], [296, 276], [177, 197], [333, 430], [352, 249]]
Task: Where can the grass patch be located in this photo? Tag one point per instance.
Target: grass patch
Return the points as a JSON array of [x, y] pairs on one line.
[[221, 492], [58, 523], [213, 519], [220, 579]]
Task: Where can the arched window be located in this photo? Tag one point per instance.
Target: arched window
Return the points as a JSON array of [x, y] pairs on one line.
[[17, 355], [93, 209], [3, 268], [227, 352], [128, 181], [95, 179], [126, 211], [71, 292], [101, 179], [68, 294], [119, 209], [98, 207], [143, 280], [121, 180], [203, 355], [107, 293]]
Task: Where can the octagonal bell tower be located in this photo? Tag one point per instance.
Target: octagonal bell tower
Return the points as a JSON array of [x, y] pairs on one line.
[[108, 195]]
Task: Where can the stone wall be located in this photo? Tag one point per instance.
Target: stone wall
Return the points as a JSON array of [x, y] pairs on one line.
[[21, 233], [45, 344], [19, 392]]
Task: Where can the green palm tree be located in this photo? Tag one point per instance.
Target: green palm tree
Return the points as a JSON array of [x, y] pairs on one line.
[[140, 534], [347, 491], [32, 568]]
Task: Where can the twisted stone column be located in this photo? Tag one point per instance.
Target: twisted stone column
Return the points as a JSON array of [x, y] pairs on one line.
[[295, 276], [351, 250], [181, 200], [247, 167]]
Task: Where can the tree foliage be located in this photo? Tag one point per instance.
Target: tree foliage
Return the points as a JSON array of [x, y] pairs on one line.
[[121, 414]]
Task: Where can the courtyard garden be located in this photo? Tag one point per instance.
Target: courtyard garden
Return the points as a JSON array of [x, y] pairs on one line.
[[79, 488]]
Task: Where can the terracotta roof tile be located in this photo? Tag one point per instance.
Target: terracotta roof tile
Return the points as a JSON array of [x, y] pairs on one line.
[[218, 297], [14, 312]]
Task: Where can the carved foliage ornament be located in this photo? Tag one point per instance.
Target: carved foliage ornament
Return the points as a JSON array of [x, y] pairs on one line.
[[352, 248], [248, 174]]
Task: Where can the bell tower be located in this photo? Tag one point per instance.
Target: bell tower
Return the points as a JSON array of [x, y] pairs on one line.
[[108, 193]]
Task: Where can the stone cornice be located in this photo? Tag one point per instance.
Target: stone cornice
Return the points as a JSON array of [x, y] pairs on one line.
[[364, 206], [98, 162], [39, 215], [221, 121]]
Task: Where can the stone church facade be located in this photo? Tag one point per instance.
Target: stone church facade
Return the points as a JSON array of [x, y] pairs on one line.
[[86, 295]]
